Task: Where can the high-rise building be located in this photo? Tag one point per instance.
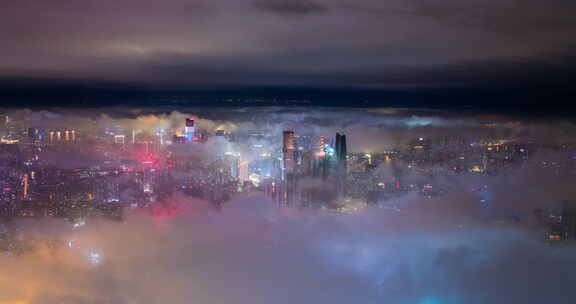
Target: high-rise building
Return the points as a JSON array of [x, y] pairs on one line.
[[243, 171], [159, 139], [119, 139], [33, 134], [288, 152], [25, 187], [287, 186], [190, 129], [321, 146], [340, 151], [41, 134]]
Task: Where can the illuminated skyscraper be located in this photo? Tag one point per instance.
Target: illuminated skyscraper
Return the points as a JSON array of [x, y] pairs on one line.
[[340, 151], [25, 186], [243, 172], [287, 187], [190, 129], [322, 160], [119, 139], [288, 152]]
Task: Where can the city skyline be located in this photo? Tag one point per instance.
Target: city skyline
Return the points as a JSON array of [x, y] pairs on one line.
[[382, 197], [287, 152]]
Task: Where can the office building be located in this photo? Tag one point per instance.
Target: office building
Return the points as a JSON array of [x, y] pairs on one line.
[[288, 148], [190, 130]]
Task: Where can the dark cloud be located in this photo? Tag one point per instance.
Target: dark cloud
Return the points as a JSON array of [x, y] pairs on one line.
[[337, 43], [529, 17], [291, 7]]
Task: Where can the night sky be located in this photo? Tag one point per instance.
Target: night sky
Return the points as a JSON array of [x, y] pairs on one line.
[[76, 48]]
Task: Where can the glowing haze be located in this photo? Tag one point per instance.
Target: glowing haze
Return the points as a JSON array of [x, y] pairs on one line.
[[412, 250]]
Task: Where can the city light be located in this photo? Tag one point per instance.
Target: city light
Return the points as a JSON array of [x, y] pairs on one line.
[[287, 152], [94, 258], [94, 188]]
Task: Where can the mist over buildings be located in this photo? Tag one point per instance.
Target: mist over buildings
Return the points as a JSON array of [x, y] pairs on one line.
[[439, 237], [287, 151]]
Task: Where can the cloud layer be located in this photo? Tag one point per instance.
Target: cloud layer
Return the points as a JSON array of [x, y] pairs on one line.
[[413, 250], [275, 42], [252, 252]]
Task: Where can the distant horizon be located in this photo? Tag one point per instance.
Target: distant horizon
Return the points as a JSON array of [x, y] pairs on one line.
[[545, 100]]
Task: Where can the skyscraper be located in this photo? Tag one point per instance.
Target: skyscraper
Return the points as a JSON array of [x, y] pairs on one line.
[[32, 134], [340, 151], [287, 186], [190, 129], [288, 152], [25, 187]]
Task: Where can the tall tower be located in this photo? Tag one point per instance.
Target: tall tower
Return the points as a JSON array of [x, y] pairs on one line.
[[189, 129], [321, 146], [288, 151], [287, 186], [340, 151], [25, 186]]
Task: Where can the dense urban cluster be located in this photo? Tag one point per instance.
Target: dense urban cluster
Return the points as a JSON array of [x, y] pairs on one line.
[[97, 171]]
